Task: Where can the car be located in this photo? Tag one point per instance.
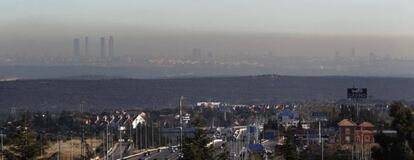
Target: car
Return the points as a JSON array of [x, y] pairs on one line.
[[268, 152], [173, 149], [181, 155], [147, 153]]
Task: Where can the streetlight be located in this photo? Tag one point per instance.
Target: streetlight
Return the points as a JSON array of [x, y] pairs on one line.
[[2, 149], [121, 128], [181, 123]]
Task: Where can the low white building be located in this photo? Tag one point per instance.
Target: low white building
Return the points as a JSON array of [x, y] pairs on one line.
[[209, 104], [139, 119]]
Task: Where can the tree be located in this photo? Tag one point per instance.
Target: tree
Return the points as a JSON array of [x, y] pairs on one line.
[[289, 148], [196, 148], [26, 145], [400, 146], [224, 153]]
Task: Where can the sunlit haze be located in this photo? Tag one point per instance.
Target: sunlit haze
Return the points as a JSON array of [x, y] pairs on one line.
[[167, 32]]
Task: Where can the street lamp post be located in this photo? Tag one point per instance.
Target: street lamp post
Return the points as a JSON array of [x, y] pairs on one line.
[[2, 149], [181, 123]]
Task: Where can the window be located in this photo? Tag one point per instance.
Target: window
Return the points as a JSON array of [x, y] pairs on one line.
[[367, 138], [347, 131]]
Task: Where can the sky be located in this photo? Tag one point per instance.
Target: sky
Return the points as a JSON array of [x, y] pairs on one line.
[[164, 26], [379, 17]]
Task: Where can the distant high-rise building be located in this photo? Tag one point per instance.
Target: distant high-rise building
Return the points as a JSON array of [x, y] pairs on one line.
[[86, 46], [111, 46], [76, 48], [102, 45], [353, 53], [210, 55], [196, 54], [337, 56]]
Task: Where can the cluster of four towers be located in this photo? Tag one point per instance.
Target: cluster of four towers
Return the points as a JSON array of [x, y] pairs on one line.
[[103, 49]]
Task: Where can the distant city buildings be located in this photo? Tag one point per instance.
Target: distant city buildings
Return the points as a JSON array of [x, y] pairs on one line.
[[106, 50], [102, 47], [76, 48], [111, 47], [86, 46]]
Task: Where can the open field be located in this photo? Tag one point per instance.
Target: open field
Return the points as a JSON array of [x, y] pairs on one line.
[[71, 148]]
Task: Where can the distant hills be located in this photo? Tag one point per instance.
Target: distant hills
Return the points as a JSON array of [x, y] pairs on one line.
[[97, 93]]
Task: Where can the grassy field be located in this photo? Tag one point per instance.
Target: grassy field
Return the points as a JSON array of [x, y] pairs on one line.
[[71, 148]]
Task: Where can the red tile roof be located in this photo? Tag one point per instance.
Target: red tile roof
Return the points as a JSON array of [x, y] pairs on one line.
[[366, 124], [346, 123]]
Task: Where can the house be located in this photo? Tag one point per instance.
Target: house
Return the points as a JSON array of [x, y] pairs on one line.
[[288, 118], [350, 132], [346, 131], [365, 133]]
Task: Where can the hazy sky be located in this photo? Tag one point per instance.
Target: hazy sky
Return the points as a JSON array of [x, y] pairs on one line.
[[380, 17], [221, 26]]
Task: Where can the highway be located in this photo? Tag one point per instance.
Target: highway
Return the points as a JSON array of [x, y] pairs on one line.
[[164, 154], [118, 150]]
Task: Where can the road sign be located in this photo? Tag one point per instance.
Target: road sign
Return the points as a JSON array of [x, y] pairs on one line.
[[357, 93], [319, 114], [252, 129], [270, 135]]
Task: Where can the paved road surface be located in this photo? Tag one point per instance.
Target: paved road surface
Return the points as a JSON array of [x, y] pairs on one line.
[[118, 150], [155, 155]]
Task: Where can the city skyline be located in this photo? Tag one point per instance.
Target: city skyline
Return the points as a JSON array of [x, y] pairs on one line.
[[230, 34]]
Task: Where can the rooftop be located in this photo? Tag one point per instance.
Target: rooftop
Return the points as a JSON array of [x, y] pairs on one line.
[[346, 123], [366, 124]]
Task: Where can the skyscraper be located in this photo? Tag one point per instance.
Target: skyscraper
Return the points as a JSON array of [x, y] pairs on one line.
[[102, 44], [111, 46], [76, 49], [86, 46]]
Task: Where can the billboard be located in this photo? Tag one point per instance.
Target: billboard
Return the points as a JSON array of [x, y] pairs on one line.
[[269, 135], [357, 93], [320, 115], [252, 129]]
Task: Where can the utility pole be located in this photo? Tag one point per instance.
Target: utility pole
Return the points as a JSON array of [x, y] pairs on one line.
[[107, 139], [362, 142], [82, 148], [152, 134], [120, 142], [71, 147], [58, 147], [2, 149], [181, 123], [94, 137], [130, 132], [104, 146], [136, 137], [41, 144], [159, 135], [140, 137], [352, 151], [146, 137], [320, 139]]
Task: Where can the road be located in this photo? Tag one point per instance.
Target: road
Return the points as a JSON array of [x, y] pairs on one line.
[[164, 154], [118, 150]]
